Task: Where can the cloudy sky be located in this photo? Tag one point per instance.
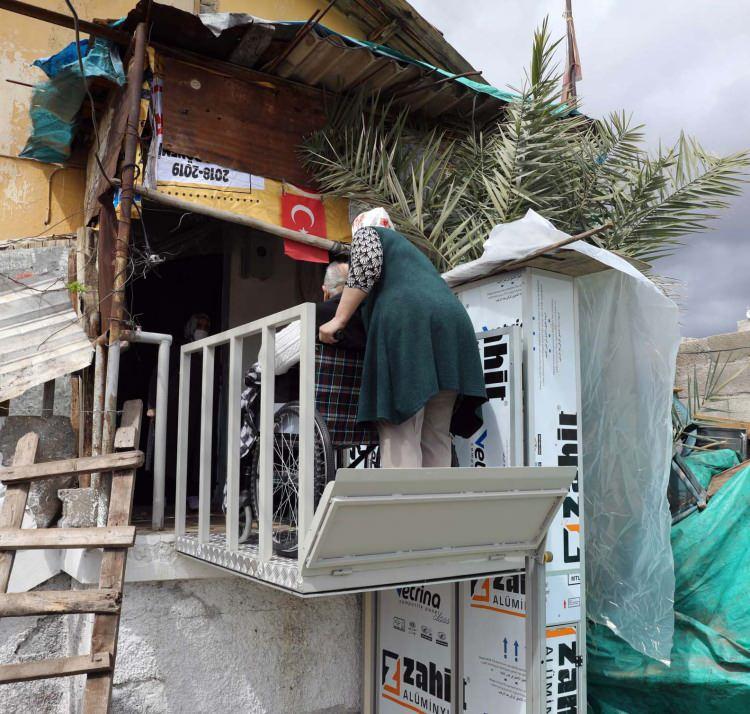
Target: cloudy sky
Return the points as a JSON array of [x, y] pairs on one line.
[[675, 64]]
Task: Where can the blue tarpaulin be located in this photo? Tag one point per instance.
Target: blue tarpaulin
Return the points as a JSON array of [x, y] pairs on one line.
[[710, 663], [55, 103]]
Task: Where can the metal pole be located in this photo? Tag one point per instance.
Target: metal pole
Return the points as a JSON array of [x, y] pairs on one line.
[[130, 144], [164, 342], [100, 371]]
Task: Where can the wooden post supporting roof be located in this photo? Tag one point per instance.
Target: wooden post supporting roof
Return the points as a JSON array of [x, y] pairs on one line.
[[122, 251]]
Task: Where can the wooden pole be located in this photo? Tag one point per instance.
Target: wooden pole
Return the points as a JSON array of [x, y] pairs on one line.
[[181, 204], [127, 181], [560, 244], [122, 250]]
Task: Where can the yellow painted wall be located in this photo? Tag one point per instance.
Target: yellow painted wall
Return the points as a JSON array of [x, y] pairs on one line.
[[293, 10], [41, 200]]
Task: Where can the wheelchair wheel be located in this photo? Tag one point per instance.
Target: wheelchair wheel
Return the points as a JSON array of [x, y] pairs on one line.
[[286, 474]]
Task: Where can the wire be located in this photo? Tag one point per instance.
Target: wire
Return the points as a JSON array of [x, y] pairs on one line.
[[88, 91]]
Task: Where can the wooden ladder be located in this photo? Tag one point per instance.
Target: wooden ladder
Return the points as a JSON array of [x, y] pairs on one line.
[[115, 539]]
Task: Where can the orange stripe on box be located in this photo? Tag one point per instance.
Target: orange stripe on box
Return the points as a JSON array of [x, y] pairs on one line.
[[561, 632], [404, 704], [574, 527], [498, 609]]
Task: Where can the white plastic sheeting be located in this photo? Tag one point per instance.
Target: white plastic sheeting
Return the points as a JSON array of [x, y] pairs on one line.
[[629, 338], [508, 241]]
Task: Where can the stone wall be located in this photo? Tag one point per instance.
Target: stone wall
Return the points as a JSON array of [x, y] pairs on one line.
[[696, 354], [210, 645]]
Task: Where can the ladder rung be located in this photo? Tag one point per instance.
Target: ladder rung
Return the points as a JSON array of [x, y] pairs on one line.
[[85, 465], [34, 538], [61, 667], [59, 602]]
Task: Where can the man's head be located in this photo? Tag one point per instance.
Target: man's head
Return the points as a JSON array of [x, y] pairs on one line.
[[335, 279]]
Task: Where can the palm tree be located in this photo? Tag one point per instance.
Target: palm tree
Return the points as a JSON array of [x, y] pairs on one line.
[[445, 189]]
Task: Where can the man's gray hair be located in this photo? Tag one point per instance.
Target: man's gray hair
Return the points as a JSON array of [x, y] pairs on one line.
[[335, 277]]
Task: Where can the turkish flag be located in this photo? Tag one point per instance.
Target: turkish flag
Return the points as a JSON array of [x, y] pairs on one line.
[[306, 215]]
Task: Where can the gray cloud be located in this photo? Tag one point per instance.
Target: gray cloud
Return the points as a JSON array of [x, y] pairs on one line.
[[675, 64]]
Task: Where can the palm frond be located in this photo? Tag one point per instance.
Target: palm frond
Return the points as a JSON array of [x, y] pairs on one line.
[[446, 190]]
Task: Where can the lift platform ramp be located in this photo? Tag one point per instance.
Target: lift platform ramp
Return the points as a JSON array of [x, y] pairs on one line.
[[377, 528]]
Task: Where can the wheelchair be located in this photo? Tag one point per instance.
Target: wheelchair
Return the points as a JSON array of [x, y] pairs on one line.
[[338, 441]]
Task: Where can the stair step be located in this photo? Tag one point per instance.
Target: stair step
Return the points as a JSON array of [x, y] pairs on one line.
[[36, 538], [60, 667], [59, 602]]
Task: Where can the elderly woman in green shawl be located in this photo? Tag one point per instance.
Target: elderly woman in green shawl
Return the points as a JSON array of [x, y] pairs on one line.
[[422, 377]]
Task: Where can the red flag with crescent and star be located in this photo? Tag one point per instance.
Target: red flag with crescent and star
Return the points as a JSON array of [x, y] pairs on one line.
[[306, 214]]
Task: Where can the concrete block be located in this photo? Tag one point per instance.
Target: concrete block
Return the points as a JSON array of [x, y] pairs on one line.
[[78, 507], [56, 441]]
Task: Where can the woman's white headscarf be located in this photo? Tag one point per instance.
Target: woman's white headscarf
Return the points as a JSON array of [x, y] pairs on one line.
[[375, 217]]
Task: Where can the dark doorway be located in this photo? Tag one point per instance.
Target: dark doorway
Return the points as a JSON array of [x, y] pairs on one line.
[[163, 302]]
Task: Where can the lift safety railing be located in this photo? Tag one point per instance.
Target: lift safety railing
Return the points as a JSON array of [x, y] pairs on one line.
[[265, 327]]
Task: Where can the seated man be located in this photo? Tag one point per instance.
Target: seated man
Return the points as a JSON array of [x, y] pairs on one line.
[[353, 337], [287, 352]]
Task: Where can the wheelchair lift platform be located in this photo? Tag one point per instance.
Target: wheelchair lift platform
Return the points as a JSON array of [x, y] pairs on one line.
[[384, 528]]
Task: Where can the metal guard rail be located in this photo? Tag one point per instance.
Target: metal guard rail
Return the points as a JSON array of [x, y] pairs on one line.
[[266, 327]]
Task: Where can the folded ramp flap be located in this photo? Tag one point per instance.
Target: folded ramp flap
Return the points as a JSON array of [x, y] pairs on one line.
[[377, 518]]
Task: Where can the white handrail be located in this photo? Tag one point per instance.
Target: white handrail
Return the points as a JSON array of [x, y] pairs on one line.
[[266, 327]]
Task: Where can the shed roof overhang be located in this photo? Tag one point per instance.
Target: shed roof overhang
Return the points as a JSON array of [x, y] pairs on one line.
[[316, 56]]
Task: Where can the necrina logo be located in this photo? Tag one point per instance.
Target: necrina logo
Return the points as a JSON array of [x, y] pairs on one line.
[[420, 595]]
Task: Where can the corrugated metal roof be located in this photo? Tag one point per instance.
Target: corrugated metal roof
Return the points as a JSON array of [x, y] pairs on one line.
[[40, 335], [340, 64], [397, 24]]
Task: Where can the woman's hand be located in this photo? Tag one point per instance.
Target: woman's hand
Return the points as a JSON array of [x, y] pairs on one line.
[[327, 332]]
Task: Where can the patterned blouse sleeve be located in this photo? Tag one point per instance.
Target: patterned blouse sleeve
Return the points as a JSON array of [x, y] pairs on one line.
[[366, 262]]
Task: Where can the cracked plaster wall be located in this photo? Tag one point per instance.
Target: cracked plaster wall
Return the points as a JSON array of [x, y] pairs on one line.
[[194, 646]]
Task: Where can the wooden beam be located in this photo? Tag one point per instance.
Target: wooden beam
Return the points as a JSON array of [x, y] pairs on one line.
[[61, 667], [14, 503], [59, 602], [128, 434], [720, 479], [98, 692], [555, 246], [39, 538], [84, 465], [63, 20], [191, 207]]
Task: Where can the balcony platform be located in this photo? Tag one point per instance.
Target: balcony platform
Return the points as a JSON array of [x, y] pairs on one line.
[[384, 528]]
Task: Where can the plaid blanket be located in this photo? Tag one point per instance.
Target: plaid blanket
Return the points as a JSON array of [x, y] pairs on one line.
[[338, 374]]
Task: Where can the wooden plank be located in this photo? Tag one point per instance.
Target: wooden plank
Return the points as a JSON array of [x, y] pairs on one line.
[[720, 479], [59, 602], [35, 538], [60, 667], [98, 692], [14, 503], [84, 465], [723, 421], [241, 125], [128, 433]]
